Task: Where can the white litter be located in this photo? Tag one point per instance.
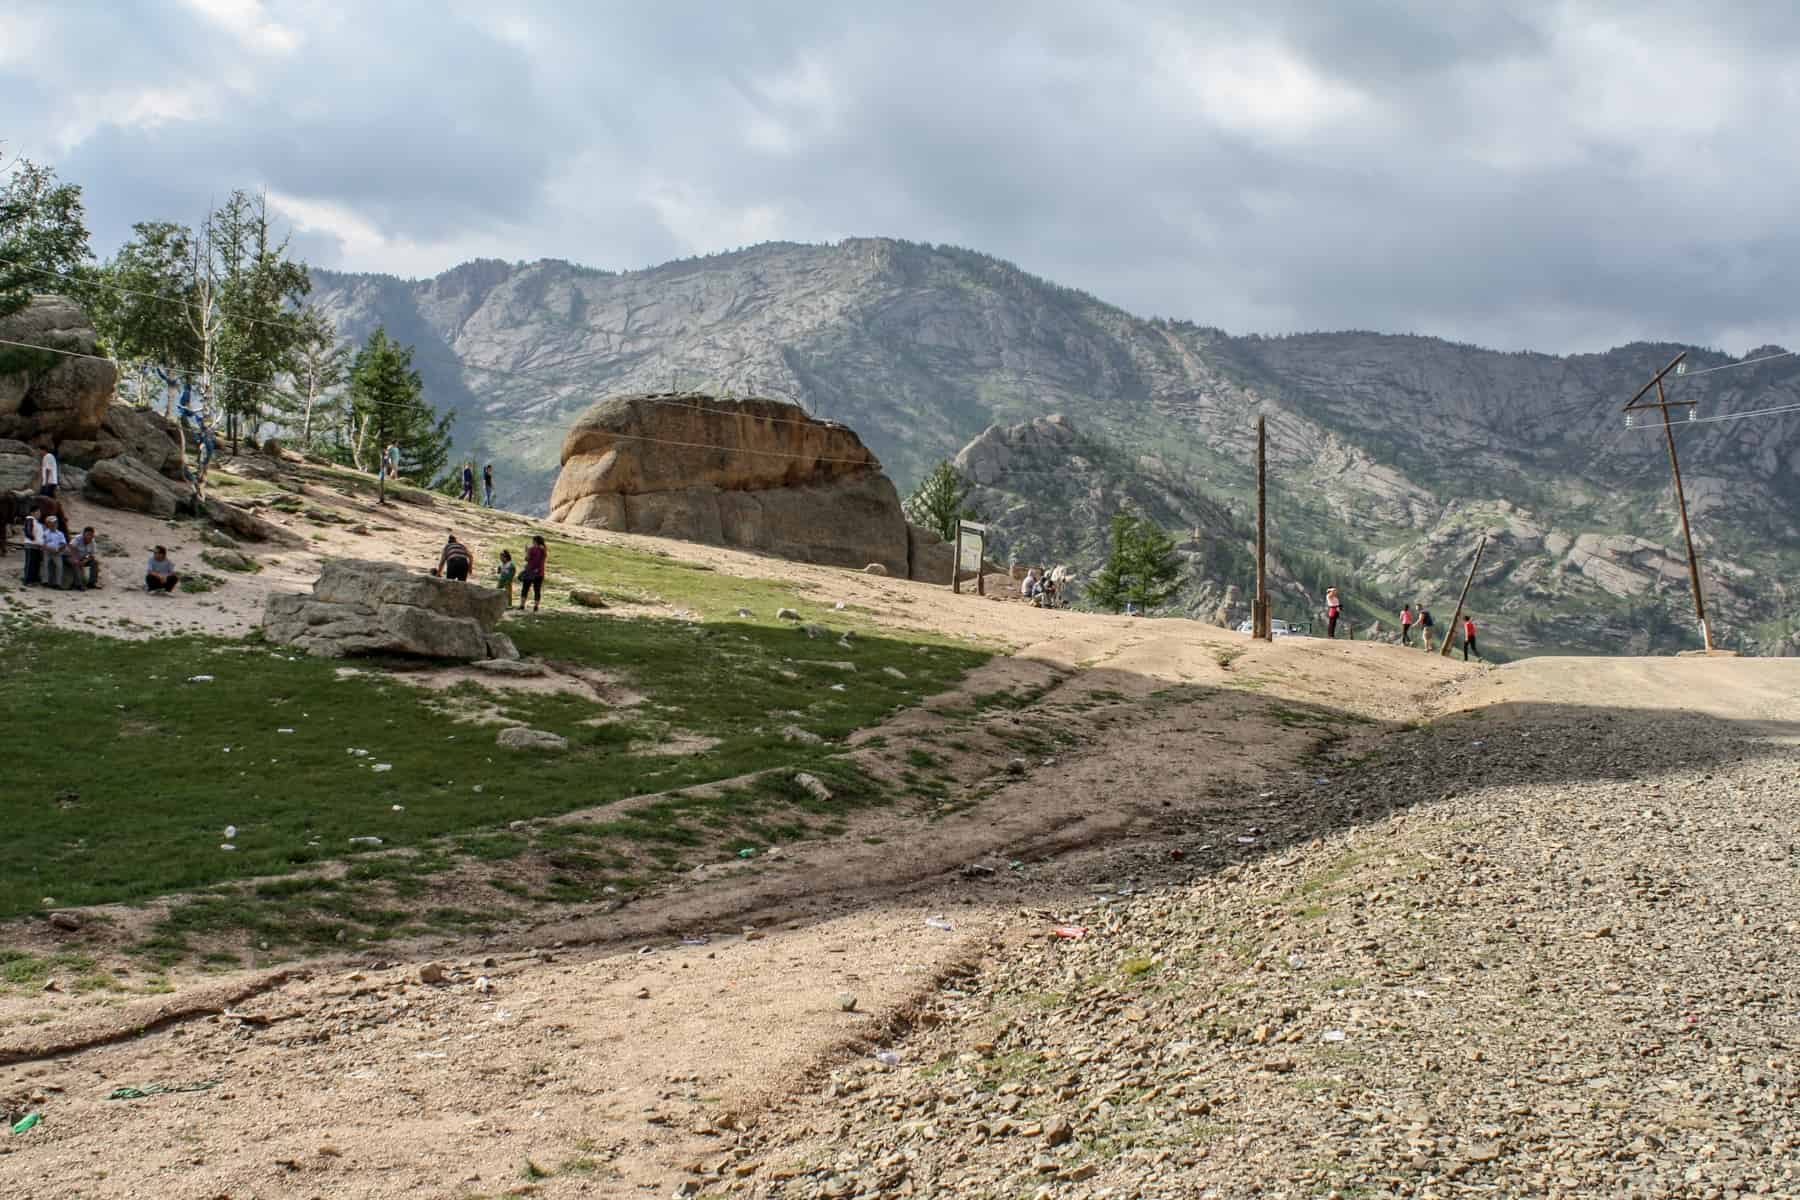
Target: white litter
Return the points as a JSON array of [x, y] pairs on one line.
[[382, 767], [399, 808], [284, 731], [365, 841], [200, 678], [227, 846], [230, 832], [1333, 1035]]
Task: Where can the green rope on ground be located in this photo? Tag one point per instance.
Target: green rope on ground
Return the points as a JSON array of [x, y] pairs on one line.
[[158, 1089]]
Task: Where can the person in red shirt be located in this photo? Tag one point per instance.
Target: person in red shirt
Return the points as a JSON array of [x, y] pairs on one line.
[[1469, 638], [532, 577], [1406, 624]]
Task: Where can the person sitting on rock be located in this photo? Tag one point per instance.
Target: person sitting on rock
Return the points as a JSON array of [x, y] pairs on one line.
[[1031, 585], [159, 576], [455, 561], [83, 556], [55, 541]]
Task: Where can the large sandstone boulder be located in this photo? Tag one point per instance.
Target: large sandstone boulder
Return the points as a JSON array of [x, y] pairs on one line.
[[124, 482], [359, 607], [48, 398], [931, 557], [755, 473]]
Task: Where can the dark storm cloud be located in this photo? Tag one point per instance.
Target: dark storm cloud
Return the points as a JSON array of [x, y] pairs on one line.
[[1536, 174]]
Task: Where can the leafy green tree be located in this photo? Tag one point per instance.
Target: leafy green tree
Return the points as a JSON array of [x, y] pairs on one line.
[[940, 500], [1142, 570], [387, 407], [141, 300], [43, 236]]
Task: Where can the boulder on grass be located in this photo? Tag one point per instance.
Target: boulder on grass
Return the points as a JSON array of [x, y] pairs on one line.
[[588, 598], [517, 737], [359, 607]]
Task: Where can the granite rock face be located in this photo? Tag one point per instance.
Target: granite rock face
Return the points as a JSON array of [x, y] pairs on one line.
[[361, 607], [753, 473], [47, 398]]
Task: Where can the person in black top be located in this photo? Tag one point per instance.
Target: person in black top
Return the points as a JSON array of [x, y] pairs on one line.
[[455, 561]]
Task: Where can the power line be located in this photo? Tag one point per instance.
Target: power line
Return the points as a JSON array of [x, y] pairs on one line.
[[504, 372], [1737, 416], [626, 437], [1748, 362]]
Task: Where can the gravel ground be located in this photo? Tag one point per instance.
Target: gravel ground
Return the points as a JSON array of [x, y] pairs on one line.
[[1546, 953]]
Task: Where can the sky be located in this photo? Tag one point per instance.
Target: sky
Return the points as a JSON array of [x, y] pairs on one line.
[[1528, 175]]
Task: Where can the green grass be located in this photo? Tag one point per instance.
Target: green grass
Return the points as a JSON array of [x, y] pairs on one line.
[[266, 745]]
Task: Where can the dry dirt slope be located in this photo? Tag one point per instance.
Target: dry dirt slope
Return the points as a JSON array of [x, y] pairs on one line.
[[1551, 931]]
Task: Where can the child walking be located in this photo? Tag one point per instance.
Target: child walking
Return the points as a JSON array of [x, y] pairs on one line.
[[1469, 639], [504, 575]]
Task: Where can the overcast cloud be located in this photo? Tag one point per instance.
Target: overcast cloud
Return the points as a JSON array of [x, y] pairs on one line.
[[1554, 176]]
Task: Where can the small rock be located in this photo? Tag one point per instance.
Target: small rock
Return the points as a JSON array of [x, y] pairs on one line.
[[432, 973], [517, 737], [875, 569], [642, 993], [65, 920], [805, 737], [588, 598], [846, 1002], [1017, 766], [516, 667], [786, 614], [814, 786], [1057, 1130]]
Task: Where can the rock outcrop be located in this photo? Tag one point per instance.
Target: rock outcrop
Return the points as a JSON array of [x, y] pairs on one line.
[[359, 607], [758, 474], [48, 398], [124, 482], [147, 436]]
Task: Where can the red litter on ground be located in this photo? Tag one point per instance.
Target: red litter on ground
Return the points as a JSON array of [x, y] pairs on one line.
[[1073, 933]]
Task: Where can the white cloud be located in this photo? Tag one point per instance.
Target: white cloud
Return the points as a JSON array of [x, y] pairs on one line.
[[250, 24]]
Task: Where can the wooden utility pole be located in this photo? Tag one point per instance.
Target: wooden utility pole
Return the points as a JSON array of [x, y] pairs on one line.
[[1259, 607], [1450, 632], [1663, 404]]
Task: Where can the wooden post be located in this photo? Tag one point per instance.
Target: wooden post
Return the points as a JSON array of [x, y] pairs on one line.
[[1663, 405], [1686, 534], [1449, 633], [1259, 607]]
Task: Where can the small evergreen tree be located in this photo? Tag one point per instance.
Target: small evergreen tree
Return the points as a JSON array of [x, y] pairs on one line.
[[316, 367], [387, 407], [1142, 570], [940, 500]]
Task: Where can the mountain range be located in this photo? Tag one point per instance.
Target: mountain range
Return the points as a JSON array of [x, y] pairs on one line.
[[1389, 455]]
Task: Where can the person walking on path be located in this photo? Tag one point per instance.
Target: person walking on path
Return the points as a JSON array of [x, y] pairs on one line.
[[487, 485], [468, 480], [504, 574], [1406, 624], [532, 580], [1469, 638], [1424, 624], [454, 562], [1333, 610], [392, 457], [49, 477]]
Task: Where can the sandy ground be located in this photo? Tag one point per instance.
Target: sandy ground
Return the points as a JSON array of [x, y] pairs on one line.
[[617, 1055]]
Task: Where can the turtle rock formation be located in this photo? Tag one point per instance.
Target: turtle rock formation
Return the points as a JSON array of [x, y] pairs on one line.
[[360, 607], [753, 473]]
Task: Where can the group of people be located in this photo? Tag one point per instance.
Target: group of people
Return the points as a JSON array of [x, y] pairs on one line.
[[57, 559], [1412, 616], [457, 561], [487, 482], [1042, 587]]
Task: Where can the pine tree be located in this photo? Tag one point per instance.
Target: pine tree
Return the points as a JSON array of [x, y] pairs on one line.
[[387, 407], [316, 367], [940, 500], [1142, 570]]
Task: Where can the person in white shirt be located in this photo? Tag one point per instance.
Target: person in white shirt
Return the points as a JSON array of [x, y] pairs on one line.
[[48, 475], [54, 541]]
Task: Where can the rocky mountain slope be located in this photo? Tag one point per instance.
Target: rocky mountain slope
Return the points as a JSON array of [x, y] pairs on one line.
[[1390, 454]]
